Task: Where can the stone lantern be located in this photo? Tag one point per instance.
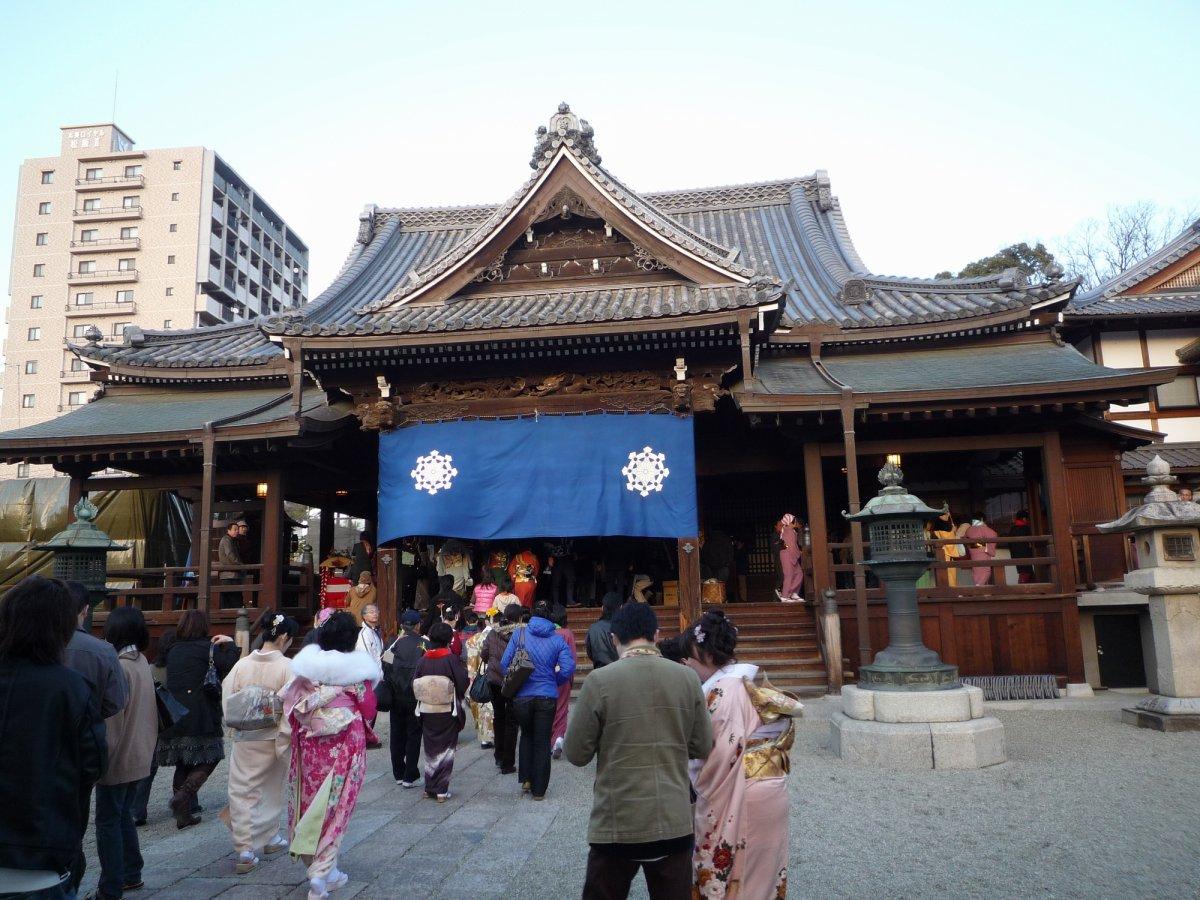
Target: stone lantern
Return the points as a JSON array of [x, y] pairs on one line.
[[895, 521], [909, 710], [81, 552], [1166, 532]]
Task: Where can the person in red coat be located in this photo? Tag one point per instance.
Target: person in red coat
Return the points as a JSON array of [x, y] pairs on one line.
[[524, 569]]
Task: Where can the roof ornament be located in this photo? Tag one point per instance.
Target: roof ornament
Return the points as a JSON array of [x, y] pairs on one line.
[[93, 335], [565, 128], [855, 291], [366, 224]]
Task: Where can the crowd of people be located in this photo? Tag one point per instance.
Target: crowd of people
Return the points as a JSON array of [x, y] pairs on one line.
[[690, 765]]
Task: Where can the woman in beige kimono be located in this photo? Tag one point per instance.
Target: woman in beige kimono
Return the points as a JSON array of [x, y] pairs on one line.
[[942, 528], [261, 748], [479, 626], [741, 788]]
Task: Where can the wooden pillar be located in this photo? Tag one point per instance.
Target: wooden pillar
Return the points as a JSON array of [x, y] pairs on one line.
[[818, 529], [325, 530], [689, 580], [273, 554], [77, 489], [1055, 472], [203, 564], [385, 591], [850, 447]]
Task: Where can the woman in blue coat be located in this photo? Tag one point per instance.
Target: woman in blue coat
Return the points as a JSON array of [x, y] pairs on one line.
[[533, 706]]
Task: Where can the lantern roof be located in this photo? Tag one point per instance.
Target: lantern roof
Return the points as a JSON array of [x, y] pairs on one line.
[[82, 534], [893, 501]]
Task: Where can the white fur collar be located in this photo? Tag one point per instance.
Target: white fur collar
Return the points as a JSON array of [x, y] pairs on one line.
[[334, 667]]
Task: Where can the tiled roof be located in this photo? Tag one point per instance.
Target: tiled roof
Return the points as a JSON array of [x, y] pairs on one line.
[[931, 370], [1165, 304], [543, 308], [173, 411], [791, 230], [1173, 251], [240, 344], [1179, 456]]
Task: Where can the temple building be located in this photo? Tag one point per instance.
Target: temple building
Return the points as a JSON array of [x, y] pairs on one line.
[[589, 361]]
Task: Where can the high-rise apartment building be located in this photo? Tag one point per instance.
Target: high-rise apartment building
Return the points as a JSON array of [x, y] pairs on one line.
[[111, 236]]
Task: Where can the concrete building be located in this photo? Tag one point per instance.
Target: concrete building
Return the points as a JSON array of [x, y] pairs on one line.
[[109, 236]]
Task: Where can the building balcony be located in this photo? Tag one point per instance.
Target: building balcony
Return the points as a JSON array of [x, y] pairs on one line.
[[73, 376], [103, 276], [110, 183], [112, 308], [107, 213], [106, 244]]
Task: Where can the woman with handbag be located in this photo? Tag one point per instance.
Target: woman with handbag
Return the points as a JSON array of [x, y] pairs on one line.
[[327, 705], [536, 661], [195, 665], [475, 633], [439, 685], [261, 743]]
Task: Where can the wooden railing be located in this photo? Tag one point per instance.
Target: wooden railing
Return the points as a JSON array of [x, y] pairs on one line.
[[164, 593], [1005, 578]]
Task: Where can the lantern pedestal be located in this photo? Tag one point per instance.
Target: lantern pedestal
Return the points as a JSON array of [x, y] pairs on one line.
[[917, 729], [1167, 535], [909, 710]]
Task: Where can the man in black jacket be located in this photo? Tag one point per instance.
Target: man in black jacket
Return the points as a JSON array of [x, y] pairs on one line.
[[405, 723], [52, 747]]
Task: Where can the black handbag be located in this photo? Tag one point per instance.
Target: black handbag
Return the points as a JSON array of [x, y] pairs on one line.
[[481, 689], [384, 695], [170, 710], [212, 681], [520, 667]]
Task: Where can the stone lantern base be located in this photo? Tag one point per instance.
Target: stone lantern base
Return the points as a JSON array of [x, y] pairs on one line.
[[917, 729], [1164, 713]]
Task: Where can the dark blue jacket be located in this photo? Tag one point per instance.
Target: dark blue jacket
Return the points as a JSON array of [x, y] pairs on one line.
[[548, 650]]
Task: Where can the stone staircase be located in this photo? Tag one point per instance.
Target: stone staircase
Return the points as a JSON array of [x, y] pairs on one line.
[[781, 638]]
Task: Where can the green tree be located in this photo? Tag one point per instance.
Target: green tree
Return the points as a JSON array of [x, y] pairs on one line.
[[1036, 262]]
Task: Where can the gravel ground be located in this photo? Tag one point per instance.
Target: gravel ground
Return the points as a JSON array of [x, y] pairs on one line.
[[1085, 807]]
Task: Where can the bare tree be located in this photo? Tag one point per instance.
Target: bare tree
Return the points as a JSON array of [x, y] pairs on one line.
[[1097, 250]]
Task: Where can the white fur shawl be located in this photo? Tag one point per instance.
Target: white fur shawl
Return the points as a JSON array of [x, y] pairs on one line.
[[334, 667]]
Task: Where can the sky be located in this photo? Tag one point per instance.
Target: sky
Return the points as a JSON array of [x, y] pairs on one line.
[[949, 130]]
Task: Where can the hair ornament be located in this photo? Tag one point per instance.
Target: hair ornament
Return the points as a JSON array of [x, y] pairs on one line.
[[699, 633], [277, 621]]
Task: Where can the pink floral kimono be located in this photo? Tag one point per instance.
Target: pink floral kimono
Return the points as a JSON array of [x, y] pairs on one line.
[[742, 795], [328, 703]]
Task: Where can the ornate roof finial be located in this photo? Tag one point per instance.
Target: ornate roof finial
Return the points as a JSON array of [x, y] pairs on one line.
[[1158, 479], [85, 510], [565, 128]]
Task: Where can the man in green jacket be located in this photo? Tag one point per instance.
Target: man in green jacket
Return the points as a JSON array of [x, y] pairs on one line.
[[642, 718]]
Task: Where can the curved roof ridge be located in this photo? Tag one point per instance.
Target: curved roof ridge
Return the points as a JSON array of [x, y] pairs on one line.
[[1175, 249], [654, 218]]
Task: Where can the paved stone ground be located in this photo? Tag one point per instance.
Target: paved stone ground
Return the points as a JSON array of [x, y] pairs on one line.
[[1086, 807]]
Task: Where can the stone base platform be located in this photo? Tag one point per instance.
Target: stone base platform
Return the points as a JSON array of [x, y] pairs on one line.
[[917, 729], [1145, 718], [1164, 713]]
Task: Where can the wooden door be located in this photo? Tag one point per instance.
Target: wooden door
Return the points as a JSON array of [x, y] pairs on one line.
[[1119, 648]]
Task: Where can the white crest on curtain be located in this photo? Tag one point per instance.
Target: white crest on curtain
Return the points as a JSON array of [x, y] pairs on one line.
[[645, 471], [434, 472]]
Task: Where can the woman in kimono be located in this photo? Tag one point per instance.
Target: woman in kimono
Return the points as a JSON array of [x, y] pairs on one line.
[[942, 528], [439, 685], [523, 570], [558, 615], [977, 536], [741, 788], [476, 632], [789, 559], [327, 705], [259, 760]]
